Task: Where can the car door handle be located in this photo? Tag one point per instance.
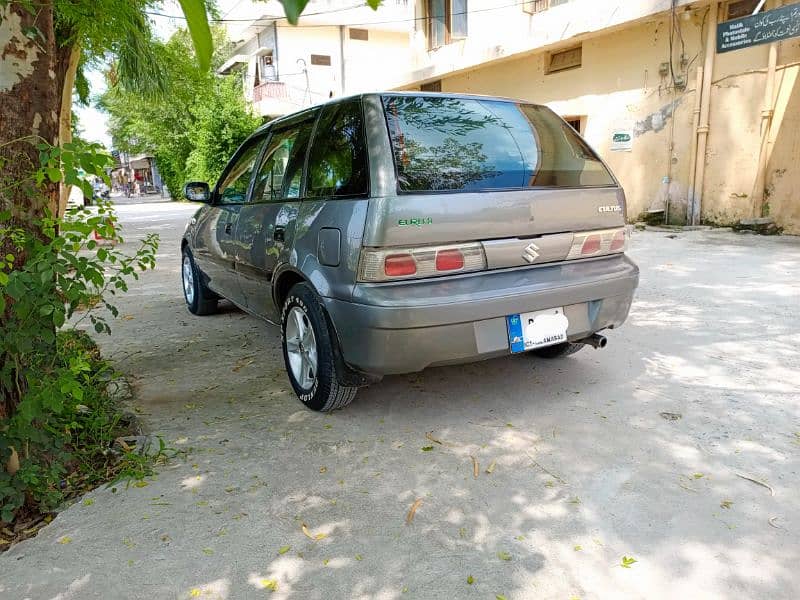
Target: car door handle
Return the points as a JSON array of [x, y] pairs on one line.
[[228, 228], [279, 234]]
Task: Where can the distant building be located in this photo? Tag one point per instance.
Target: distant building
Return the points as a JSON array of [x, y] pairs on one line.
[[626, 74], [340, 47]]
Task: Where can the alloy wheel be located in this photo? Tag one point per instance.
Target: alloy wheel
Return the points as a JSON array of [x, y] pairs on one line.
[[301, 348]]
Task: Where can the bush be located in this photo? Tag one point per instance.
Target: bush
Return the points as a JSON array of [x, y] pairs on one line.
[[59, 424]]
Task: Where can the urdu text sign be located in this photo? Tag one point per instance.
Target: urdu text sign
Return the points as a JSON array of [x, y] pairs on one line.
[[770, 26]]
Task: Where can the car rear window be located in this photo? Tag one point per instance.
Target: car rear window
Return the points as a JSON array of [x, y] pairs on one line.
[[462, 144]]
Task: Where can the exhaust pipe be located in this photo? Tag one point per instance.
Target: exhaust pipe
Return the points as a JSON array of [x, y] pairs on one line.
[[595, 341]]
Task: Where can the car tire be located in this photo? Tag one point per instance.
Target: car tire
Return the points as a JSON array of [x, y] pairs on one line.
[[309, 347], [557, 350], [199, 299]]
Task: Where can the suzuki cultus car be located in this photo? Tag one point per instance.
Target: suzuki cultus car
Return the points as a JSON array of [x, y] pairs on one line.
[[391, 232]]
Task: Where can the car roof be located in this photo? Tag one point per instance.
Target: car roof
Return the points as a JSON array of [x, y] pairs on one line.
[[409, 94]]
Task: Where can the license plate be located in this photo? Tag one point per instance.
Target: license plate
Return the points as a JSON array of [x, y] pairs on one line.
[[538, 329]]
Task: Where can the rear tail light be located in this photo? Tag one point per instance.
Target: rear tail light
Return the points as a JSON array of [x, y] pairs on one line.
[[399, 265], [449, 260], [389, 264], [598, 243], [591, 245]]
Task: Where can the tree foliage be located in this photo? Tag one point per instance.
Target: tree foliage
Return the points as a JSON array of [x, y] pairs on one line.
[[194, 127]]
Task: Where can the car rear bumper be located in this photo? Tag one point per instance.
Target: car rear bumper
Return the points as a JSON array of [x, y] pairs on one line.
[[407, 326]]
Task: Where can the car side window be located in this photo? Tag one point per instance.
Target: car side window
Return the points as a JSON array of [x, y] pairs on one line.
[[293, 176], [337, 164], [269, 180], [233, 187]]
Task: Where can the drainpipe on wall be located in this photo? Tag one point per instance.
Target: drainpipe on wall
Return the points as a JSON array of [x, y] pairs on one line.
[[693, 152], [275, 59], [341, 54], [705, 108], [766, 124]]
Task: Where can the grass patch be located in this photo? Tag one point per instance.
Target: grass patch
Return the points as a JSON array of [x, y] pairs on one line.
[[68, 450]]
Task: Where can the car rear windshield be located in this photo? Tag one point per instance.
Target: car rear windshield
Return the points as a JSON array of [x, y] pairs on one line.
[[444, 143]]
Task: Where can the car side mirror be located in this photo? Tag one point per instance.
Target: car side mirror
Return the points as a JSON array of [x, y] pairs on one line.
[[197, 191]]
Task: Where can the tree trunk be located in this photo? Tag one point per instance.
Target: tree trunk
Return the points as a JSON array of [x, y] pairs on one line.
[[29, 101], [66, 61]]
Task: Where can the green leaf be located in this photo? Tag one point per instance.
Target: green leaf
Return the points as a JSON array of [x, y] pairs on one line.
[[502, 555], [53, 174], [470, 579], [293, 9], [197, 21], [284, 549], [427, 448], [627, 561], [374, 4]]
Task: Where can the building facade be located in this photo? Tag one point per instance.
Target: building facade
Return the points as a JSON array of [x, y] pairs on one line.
[[693, 134], [339, 47]]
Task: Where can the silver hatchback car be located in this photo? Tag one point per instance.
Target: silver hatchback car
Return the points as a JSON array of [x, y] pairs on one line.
[[391, 232]]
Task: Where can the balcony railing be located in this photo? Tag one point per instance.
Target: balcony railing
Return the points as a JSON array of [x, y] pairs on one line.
[[270, 89]]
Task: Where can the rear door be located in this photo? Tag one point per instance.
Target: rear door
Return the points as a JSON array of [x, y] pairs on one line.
[[215, 246], [266, 224], [499, 172]]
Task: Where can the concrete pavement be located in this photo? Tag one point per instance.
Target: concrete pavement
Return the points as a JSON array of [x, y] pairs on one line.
[[641, 450]]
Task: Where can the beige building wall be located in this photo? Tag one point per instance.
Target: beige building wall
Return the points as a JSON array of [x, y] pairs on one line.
[[618, 87]]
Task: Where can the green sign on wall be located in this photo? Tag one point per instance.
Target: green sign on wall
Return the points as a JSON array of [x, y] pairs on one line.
[[766, 27]]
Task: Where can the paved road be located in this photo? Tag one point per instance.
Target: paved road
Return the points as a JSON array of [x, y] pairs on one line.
[[589, 466]]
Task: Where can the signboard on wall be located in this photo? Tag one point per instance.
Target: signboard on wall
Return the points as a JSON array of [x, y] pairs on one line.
[[766, 27], [622, 140]]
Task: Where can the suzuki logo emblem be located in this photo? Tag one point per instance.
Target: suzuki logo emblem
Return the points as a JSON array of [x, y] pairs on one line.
[[531, 252]]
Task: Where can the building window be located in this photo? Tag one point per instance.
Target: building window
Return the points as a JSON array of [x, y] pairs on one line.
[[564, 60], [432, 86], [742, 8], [323, 60], [446, 21], [576, 123], [536, 6], [359, 34]]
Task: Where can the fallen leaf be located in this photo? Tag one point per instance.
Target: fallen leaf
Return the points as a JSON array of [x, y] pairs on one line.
[[490, 468], [413, 510], [284, 549], [756, 481], [195, 593], [359, 557], [65, 539], [578, 548], [627, 561], [323, 469], [462, 532], [242, 363], [520, 537], [697, 475], [475, 467], [141, 484], [726, 504], [268, 584], [426, 448], [431, 438], [470, 579], [499, 597], [208, 551], [327, 426], [127, 317], [326, 561], [502, 555], [307, 533], [12, 465], [88, 502], [575, 500]]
